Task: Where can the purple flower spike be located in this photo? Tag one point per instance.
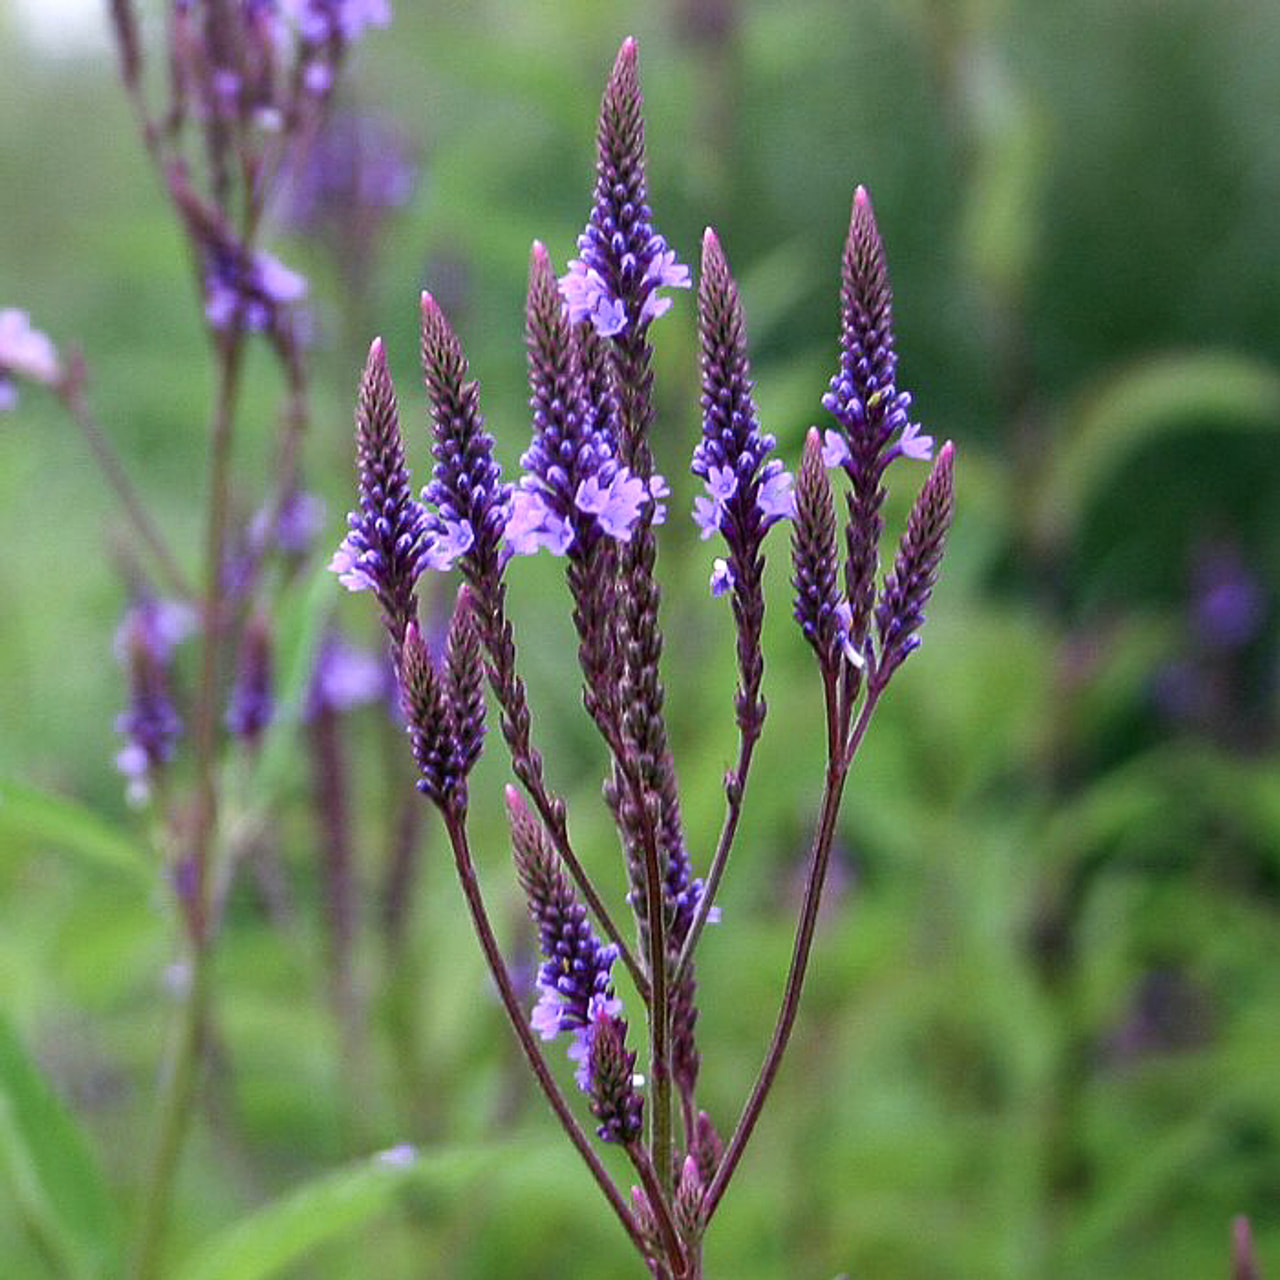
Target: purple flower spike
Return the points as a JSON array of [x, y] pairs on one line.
[[385, 550], [746, 490], [574, 980], [869, 409], [900, 610], [471, 504], [622, 261]]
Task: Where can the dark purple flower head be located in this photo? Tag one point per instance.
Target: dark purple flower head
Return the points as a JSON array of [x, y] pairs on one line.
[[900, 609], [574, 490], [623, 262], [430, 722], [464, 683], [470, 503], [708, 1147], [252, 700], [151, 725], [609, 1075], [813, 553], [577, 965], [386, 547], [864, 398], [688, 1200], [746, 491]]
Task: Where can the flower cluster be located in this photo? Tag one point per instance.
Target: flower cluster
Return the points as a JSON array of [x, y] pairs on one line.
[[589, 493], [574, 489]]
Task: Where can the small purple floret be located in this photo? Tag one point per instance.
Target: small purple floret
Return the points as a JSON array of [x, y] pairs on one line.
[[618, 505]]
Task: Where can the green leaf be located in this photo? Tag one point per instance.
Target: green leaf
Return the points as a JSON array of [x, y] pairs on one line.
[[29, 814], [273, 1238], [1153, 398], [54, 1179]]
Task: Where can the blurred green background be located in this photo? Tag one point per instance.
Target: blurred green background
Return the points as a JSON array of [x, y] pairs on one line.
[[1041, 1037]]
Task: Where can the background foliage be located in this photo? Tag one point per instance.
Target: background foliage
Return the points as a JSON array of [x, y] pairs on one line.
[[1041, 1034]]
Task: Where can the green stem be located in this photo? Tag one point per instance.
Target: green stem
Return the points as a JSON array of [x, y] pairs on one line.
[[177, 1102]]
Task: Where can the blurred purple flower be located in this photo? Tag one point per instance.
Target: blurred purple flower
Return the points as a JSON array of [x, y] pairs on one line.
[[357, 169], [24, 352], [254, 288], [1228, 601], [346, 677]]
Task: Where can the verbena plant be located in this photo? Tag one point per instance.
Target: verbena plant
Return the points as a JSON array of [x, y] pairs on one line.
[[590, 494]]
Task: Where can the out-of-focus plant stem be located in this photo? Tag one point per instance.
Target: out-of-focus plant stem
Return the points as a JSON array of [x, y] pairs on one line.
[[179, 1088]]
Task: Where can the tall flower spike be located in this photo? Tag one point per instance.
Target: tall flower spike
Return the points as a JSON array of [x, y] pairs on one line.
[[574, 981], [464, 678], [867, 405], [383, 551], [900, 610], [623, 262], [813, 553], [746, 491], [471, 504], [429, 719]]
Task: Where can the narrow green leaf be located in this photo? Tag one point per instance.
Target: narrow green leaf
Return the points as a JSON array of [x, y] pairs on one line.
[[54, 1179], [28, 814], [277, 1236]]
